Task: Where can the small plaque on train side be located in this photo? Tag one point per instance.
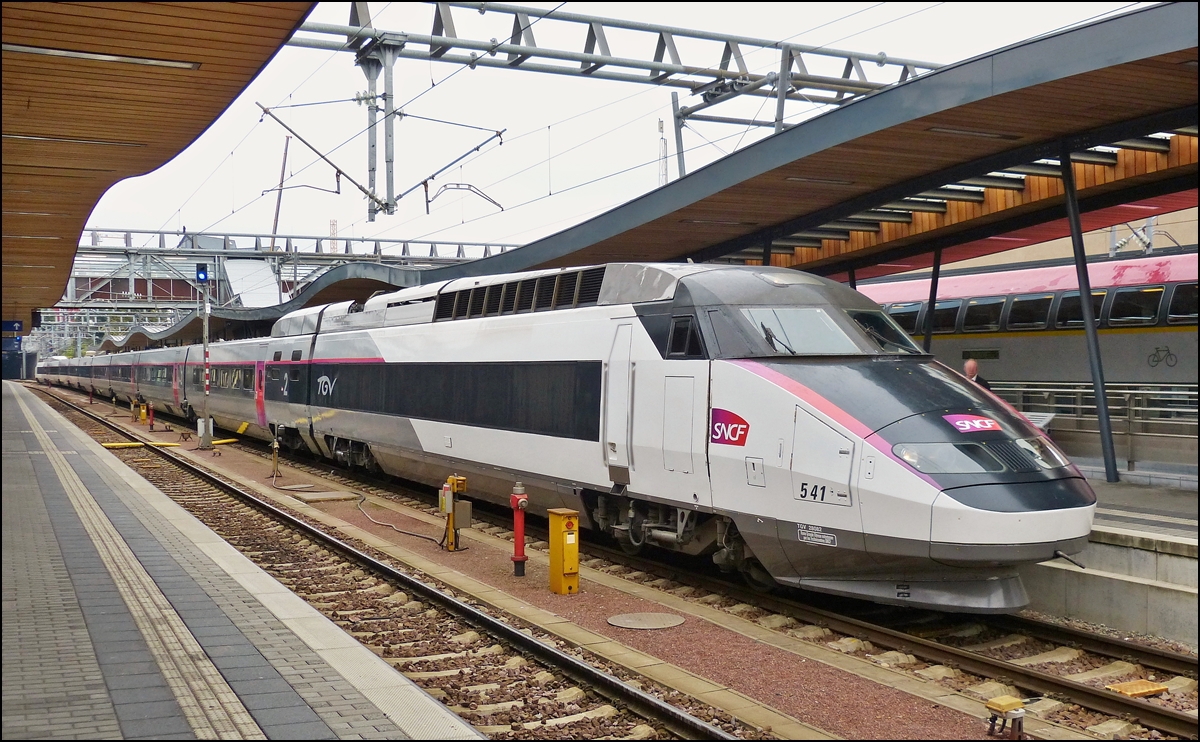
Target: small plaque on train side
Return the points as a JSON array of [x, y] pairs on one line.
[[814, 535]]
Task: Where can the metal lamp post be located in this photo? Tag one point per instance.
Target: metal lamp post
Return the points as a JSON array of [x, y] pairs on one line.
[[205, 425]]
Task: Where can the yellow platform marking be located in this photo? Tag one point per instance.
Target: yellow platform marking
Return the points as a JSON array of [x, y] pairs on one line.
[[211, 707]]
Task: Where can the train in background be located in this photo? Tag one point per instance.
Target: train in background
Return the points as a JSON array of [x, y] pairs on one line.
[[779, 423], [1027, 324]]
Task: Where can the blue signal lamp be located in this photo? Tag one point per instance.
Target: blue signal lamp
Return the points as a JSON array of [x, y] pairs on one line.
[[202, 272]]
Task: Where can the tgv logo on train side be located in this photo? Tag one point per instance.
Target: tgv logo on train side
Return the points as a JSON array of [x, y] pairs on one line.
[[971, 423], [325, 386], [728, 428]]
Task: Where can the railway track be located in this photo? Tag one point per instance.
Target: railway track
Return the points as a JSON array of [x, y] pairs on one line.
[[931, 639], [504, 679]]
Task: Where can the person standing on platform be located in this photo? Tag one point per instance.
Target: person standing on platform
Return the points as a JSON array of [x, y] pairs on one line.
[[971, 371]]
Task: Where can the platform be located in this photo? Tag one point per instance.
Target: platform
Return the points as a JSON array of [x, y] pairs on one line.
[[1140, 564], [125, 617]]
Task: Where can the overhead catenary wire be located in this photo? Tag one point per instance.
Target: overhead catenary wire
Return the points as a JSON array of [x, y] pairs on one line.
[[399, 111], [550, 156]]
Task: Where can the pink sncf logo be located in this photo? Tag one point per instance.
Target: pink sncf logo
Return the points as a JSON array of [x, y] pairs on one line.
[[971, 423], [728, 428]]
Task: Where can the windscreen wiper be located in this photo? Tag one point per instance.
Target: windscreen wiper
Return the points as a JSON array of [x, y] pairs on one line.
[[772, 338]]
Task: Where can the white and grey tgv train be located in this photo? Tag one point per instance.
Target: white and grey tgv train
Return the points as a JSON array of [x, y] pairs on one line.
[[779, 422]]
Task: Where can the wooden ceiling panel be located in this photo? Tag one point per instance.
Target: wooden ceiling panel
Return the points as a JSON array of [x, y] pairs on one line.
[[159, 109]]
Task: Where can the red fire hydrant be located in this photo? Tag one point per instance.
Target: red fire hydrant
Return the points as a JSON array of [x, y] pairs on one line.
[[519, 501]]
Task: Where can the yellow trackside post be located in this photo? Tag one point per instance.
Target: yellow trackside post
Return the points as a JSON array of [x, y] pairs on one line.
[[564, 551], [142, 414], [455, 485]]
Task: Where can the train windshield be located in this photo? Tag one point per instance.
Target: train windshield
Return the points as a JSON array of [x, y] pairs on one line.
[[884, 331], [800, 331]]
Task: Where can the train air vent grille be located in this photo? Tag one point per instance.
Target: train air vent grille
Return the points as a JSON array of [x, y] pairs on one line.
[[565, 296], [545, 293], [445, 307], [477, 301], [461, 300], [525, 295], [510, 298], [1012, 455], [492, 305], [589, 287]]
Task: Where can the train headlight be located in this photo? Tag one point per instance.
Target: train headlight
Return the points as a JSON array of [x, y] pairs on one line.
[[1043, 452], [1025, 455], [947, 458]]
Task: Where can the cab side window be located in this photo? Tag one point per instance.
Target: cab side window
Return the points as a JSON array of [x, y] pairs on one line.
[[685, 339]]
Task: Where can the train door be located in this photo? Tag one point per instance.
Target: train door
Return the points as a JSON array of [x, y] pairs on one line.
[[678, 400], [824, 510], [617, 401], [184, 380], [260, 373]]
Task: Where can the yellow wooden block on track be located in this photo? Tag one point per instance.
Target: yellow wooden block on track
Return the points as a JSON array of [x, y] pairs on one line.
[[1138, 688], [225, 440], [1004, 704]]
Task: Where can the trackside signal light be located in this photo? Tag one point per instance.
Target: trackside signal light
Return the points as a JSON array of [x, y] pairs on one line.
[[202, 272]]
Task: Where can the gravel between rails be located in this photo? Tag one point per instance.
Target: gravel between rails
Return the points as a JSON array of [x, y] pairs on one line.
[[503, 693]]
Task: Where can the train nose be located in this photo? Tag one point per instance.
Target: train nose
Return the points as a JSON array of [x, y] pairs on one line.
[[1011, 523]]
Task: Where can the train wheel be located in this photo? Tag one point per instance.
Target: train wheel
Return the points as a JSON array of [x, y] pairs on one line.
[[757, 577]]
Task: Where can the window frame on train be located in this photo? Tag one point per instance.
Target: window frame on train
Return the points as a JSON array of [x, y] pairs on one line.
[[1181, 319]]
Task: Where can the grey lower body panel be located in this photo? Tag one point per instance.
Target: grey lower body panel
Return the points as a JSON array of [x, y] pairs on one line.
[[972, 578], [984, 594]]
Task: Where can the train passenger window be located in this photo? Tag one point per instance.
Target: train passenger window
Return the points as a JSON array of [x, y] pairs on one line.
[[273, 374], [278, 356], [945, 315], [224, 378], [297, 355], [1183, 305], [1030, 312], [294, 374], [983, 315], [1136, 306], [685, 340], [1069, 312], [196, 375], [235, 378], [906, 315], [248, 377]]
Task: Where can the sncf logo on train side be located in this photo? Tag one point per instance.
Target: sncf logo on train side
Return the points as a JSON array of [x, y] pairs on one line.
[[971, 423], [729, 429]]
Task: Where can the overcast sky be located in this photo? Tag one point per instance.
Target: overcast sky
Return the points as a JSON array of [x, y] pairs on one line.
[[573, 147]]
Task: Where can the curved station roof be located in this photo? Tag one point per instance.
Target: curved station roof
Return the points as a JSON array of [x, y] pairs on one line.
[[964, 158], [98, 92], [954, 156], [349, 281]]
